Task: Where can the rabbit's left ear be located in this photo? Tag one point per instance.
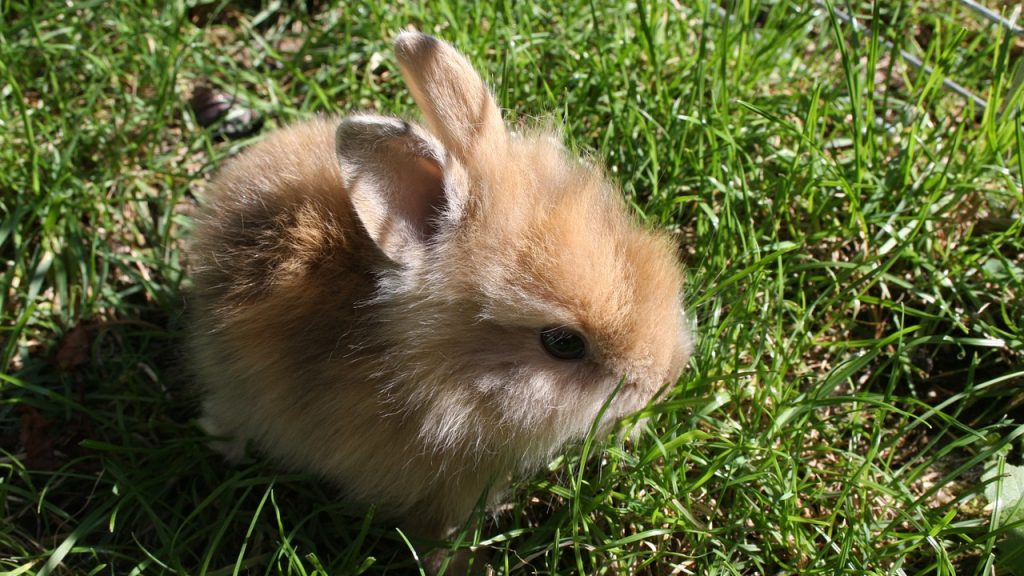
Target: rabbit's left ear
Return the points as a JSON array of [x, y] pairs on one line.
[[395, 175]]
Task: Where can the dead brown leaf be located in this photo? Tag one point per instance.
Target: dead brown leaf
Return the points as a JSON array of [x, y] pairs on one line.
[[73, 350], [35, 438]]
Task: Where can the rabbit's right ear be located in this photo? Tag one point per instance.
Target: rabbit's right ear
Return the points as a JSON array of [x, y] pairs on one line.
[[396, 177], [457, 104]]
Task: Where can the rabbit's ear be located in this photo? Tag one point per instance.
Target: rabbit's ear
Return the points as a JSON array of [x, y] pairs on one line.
[[458, 106], [394, 172]]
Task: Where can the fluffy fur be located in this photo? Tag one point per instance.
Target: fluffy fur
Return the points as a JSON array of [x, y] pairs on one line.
[[369, 295]]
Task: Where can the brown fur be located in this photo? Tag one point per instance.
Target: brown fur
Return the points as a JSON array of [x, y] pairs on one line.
[[369, 297]]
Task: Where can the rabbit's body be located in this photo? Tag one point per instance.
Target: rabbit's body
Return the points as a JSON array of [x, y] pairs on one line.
[[375, 302]]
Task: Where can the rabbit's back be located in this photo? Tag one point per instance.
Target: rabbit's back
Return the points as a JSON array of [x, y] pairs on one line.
[[280, 267], [271, 216]]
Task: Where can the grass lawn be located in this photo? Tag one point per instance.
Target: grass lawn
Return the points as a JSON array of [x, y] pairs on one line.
[[852, 231]]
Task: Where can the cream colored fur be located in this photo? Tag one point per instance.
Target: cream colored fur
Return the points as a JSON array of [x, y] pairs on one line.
[[369, 296]]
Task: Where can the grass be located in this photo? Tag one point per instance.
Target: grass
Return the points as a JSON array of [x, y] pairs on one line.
[[852, 234]]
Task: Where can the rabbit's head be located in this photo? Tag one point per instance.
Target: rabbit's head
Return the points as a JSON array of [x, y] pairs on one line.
[[519, 294]]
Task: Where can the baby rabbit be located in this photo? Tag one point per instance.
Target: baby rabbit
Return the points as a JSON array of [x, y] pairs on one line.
[[420, 313]]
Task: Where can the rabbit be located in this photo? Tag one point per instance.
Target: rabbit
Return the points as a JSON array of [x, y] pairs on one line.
[[420, 314]]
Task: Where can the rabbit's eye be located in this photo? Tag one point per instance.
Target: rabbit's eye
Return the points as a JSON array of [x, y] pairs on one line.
[[563, 343]]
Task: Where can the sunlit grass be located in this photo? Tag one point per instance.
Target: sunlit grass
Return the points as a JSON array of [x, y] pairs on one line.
[[852, 234]]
